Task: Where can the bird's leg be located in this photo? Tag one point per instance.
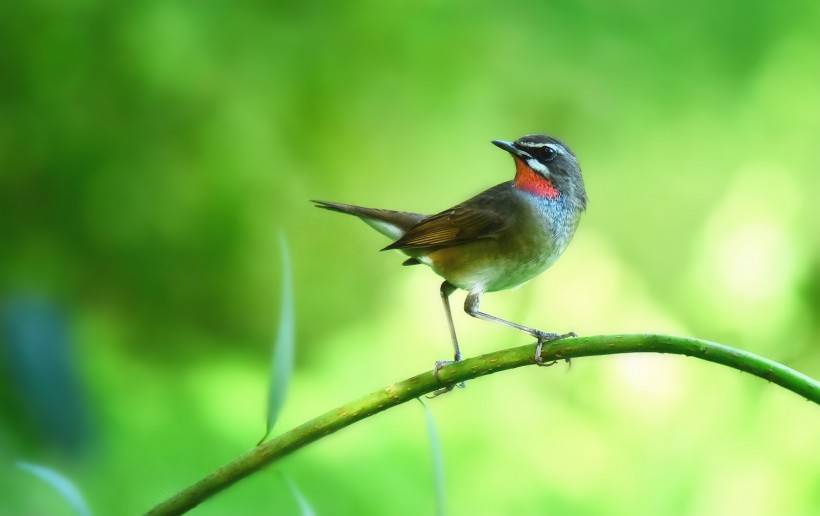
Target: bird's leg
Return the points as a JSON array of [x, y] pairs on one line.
[[472, 304], [447, 289]]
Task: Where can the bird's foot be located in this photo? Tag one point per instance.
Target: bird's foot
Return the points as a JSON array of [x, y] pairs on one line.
[[444, 390], [549, 337]]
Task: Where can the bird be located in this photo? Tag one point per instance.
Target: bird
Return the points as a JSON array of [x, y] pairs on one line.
[[497, 240]]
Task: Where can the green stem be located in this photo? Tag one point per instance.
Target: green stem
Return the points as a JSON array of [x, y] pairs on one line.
[[424, 383]]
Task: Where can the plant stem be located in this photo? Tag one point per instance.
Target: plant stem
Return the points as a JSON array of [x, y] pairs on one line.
[[398, 393]]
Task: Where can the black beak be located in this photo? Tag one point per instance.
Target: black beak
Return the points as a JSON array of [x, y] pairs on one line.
[[511, 148]]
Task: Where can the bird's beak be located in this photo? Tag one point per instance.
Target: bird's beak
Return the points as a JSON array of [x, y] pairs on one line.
[[511, 148]]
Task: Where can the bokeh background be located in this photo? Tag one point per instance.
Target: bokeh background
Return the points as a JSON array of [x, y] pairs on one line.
[[150, 153]]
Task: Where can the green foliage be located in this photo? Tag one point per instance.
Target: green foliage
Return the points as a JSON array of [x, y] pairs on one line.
[[149, 149], [305, 508], [284, 345], [62, 485], [438, 459]]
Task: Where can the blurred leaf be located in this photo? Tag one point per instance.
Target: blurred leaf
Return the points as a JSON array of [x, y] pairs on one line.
[[61, 484], [39, 356], [304, 507], [282, 362], [438, 461]]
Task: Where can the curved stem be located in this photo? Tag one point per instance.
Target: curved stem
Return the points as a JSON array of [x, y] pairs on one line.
[[424, 383]]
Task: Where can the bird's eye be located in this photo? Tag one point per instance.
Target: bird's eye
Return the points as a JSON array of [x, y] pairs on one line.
[[548, 153]]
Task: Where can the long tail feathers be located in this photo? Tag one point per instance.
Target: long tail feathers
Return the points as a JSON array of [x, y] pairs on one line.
[[392, 224]]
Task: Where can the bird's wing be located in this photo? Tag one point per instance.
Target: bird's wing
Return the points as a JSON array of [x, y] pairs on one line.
[[469, 221]]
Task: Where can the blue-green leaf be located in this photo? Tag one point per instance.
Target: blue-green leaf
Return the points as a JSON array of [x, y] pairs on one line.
[[438, 461], [282, 361], [61, 484], [304, 507]]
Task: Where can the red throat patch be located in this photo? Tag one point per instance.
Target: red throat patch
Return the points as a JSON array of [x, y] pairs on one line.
[[530, 181]]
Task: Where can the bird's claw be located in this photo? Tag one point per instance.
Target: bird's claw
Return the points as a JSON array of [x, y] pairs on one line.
[[436, 394], [444, 390], [549, 337]]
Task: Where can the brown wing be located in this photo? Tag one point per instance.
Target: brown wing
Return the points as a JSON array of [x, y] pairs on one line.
[[471, 220]]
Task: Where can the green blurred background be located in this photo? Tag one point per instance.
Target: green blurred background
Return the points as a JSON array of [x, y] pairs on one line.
[[150, 152]]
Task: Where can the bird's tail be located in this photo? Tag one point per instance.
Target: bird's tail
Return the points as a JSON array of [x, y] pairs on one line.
[[392, 224]]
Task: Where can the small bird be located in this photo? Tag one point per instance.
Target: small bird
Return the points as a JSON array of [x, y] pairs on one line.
[[497, 240]]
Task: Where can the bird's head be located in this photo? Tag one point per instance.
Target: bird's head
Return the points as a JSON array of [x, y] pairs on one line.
[[547, 168]]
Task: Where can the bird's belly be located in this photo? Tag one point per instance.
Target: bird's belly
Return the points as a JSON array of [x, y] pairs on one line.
[[491, 265]]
